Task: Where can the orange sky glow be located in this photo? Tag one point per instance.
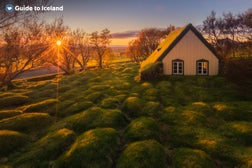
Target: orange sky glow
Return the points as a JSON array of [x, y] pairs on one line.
[[121, 41]]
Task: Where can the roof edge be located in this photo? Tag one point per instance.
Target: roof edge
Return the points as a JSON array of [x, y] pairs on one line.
[[182, 34]]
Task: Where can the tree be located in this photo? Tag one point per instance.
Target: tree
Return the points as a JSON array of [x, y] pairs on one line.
[[78, 44], [22, 46], [229, 33], [213, 27], [147, 41], [58, 55], [100, 42]]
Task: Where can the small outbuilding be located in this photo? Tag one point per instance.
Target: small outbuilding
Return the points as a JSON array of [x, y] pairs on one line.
[[185, 52]]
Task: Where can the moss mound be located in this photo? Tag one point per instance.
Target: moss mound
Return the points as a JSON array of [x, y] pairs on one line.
[[141, 129], [26, 122], [95, 97], [50, 147], [191, 158], [10, 141], [48, 106], [133, 106], [13, 101], [143, 154], [94, 148], [110, 102], [91, 118], [152, 108], [9, 113], [75, 108]]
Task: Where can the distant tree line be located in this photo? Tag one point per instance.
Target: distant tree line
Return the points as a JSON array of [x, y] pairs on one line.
[[26, 42]]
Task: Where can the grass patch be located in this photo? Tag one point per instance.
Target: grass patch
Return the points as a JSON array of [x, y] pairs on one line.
[[143, 154], [48, 148], [10, 141], [141, 129], [26, 122], [94, 148]]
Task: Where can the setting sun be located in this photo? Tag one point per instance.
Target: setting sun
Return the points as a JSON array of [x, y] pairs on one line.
[[58, 42]]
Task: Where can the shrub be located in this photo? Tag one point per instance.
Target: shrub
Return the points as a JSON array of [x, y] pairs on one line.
[[141, 129], [152, 71], [50, 147], [10, 141], [9, 113], [26, 122], [191, 158], [133, 106], [94, 148], [92, 118], [240, 72], [143, 154]]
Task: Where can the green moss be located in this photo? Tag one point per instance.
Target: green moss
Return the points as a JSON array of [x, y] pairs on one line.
[[94, 148], [141, 129], [143, 154], [26, 122], [133, 106], [152, 108], [234, 111], [92, 118], [13, 101], [48, 106], [241, 131], [75, 108], [10, 141], [9, 113], [191, 158], [182, 136], [95, 97], [110, 102], [49, 147]]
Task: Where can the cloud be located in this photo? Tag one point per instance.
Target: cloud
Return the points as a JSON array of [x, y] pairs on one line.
[[126, 34]]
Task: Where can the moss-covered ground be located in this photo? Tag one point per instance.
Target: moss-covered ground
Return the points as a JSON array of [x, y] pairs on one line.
[[106, 118]]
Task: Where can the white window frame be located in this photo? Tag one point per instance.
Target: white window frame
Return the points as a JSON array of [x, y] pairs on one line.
[[202, 67], [177, 67]]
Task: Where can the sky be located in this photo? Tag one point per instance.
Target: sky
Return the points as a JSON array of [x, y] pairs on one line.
[[124, 18]]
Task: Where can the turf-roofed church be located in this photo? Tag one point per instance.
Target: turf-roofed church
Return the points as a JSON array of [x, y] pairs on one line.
[[185, 52]]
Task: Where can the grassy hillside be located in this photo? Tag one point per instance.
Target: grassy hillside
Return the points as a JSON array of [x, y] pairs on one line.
[[106, 118]]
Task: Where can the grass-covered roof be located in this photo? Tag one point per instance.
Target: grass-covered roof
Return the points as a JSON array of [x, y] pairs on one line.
[[171, 40]]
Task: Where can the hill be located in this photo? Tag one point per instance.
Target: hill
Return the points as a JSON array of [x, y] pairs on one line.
[[106, 118]]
